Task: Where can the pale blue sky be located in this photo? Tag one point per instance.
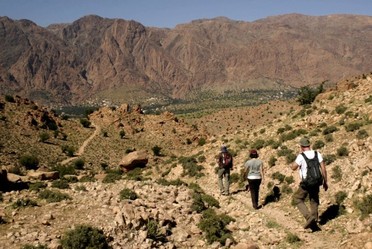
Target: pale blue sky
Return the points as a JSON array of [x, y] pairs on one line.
[[168, 13]]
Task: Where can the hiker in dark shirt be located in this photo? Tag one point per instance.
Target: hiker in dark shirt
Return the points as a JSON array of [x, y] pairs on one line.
[[313, 192], [225, 165], [254, 172]]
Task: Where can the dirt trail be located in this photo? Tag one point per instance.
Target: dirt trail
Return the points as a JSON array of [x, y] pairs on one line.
[[85, 144], [288, 218]]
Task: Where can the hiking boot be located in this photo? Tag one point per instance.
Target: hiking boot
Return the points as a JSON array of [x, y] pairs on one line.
[[310, 223]]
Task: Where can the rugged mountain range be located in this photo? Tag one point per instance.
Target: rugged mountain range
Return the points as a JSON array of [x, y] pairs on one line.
[[94, 58]]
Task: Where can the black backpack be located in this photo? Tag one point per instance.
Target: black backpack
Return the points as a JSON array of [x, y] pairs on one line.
[[314, 176]]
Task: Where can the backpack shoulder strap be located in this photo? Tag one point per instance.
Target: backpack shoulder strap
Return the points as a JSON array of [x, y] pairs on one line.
[[305, 157]]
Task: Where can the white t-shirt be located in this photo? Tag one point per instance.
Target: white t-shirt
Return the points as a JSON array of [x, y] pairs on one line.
[[300, 160]]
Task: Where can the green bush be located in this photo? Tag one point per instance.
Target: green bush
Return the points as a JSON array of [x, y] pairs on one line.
[[283, 151], [307, 95], [318, 144], [156, 150], [85, 122], [272, 161], [328, 138], [190, 167], [279, 176], [210, 201], [21, 203], [362, 134], [289, 158], [336, 173], [81, 188], [104, 133], [44, 136], [201, 141], [201, 202], [342, 151], [87, 179], [176, 182], [353, 126], [201, 159], [364, 205], [9, 98], [79, 163], [111, 178], [289, 179], [68, 150], [328, 159], [36, 186], [53, 196], [195, 187], [128, 194], [122, 134], [329, 130], [29, 161], [64, 170], [286, 189], [258, 144], [369, 99], [154, 231], [340, 109], [214, 226], [292, 238], [340, 197], [135, 174], [321, 111], [61, 184], [84, 236]]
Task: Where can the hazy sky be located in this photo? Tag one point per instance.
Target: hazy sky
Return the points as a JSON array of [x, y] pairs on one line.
[[168, 13]]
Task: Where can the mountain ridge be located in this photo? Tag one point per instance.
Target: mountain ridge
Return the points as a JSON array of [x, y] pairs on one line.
[[73, 63]]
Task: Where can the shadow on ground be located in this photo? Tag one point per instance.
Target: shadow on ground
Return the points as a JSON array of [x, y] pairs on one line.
[[273, 196], [331, 213]]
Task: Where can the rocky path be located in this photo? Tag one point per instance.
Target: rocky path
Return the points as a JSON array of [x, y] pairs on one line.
[[270, 226], [84, 145]]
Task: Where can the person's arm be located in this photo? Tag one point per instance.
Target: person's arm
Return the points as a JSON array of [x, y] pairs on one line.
[[294, 166], [324, 173], [262, 172], [245, 172]]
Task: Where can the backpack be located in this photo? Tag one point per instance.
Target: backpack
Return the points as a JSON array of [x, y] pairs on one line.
[[226, 160], [314, 176]]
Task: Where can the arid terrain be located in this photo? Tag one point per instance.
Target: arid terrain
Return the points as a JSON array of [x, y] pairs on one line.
[[95, 59], [168, 163]]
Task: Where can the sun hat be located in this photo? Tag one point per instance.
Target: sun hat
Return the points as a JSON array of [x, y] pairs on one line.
[[304, 142], [253, 152], [223, 148]]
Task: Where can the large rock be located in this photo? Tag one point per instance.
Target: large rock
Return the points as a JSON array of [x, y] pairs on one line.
[[134, 159], [14, 183], [4, 184], [43, 175]]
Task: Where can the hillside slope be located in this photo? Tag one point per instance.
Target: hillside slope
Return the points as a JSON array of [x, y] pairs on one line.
[[338, 124]]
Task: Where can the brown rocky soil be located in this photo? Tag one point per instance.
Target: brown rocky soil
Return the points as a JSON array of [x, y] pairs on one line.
[[98, 203]]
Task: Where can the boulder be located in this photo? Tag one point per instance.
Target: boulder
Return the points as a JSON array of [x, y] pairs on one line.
[[134, 159], [4, 183], [43, 175]]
